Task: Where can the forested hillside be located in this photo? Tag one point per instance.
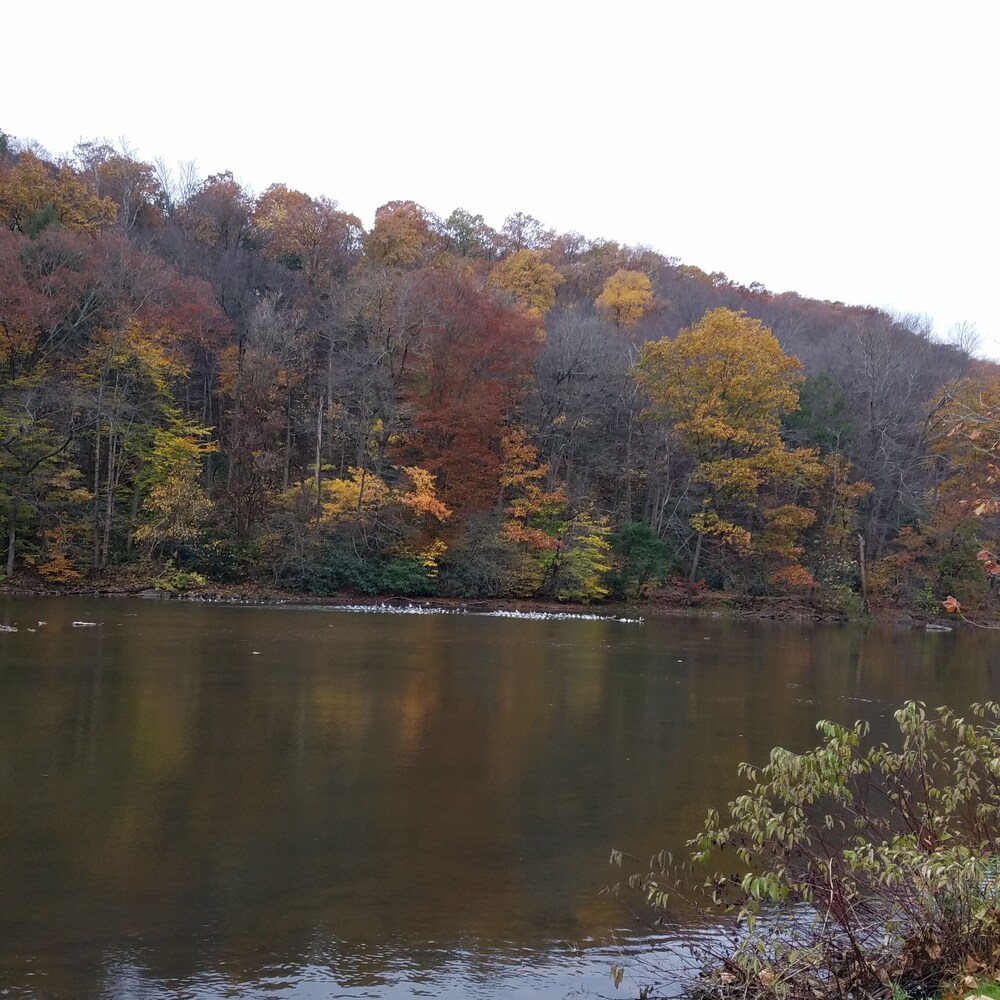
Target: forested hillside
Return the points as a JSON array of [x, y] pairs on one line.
[[200, 383]]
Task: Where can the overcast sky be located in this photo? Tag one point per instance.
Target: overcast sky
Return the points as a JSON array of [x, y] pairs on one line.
[[842, 150]]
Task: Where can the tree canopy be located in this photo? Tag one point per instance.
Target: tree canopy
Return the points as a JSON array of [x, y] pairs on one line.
[[254, 387]]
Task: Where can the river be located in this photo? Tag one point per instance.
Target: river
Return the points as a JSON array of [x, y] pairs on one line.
[[201, 801]]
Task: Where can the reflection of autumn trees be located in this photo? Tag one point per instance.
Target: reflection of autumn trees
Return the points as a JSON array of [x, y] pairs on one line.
[[413, 779]]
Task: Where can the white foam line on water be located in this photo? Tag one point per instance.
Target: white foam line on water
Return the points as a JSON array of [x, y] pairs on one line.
[[416, 609]]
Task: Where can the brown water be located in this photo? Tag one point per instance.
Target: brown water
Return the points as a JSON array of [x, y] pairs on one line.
[[214, 801]]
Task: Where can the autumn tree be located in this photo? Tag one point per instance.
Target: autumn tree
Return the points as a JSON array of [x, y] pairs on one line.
[[528, 279], [624, 298], [176, 505], [41, 489], [565, 552], [307, 234], [218, 213], [23, 304], [831, 540], [366, 533], [116, 174], [401, 232], [471, 365], [945, 551], [34, 193], [124, 382], [257, 378], [188, 316], [722, 385]]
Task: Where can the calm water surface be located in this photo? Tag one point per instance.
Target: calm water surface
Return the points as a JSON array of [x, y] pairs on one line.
[[212, 801]]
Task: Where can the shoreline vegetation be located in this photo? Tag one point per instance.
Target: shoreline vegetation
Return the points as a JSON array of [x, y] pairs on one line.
[[213, 388], [667, 603], [854, 869]]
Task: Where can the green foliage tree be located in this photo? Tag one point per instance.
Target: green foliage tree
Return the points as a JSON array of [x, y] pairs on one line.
[[469, 236], [580, 563], [822, 419], [639, 558]]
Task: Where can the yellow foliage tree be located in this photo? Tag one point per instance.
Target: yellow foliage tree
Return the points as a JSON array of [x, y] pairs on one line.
[[402, 520], [400, 234], [421, 498], [563, 555], [723, 385], [533, 510], [624, 298], [527, 278], [30, 189], [176, 505], [360, 496]]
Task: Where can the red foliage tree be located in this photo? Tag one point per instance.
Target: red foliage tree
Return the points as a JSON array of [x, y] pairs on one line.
[[473, 360]]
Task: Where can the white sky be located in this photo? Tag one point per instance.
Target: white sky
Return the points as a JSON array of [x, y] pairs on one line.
[[845, 150]]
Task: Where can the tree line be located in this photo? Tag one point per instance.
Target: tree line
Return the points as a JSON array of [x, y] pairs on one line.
[[199, 383]]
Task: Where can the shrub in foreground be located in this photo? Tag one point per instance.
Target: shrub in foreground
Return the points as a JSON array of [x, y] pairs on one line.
[[852, 870]]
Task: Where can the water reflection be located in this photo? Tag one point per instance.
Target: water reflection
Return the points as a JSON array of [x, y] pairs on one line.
[[216, 801]]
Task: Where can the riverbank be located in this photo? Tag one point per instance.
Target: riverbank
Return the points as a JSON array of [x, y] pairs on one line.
[[665, 602]]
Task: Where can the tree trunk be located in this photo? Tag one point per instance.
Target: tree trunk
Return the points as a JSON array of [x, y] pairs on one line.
[[864, 573], [694, 566], [133, 517], [97, 498], [288, 438], [319, 453], [109, 504], [11, 535]]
